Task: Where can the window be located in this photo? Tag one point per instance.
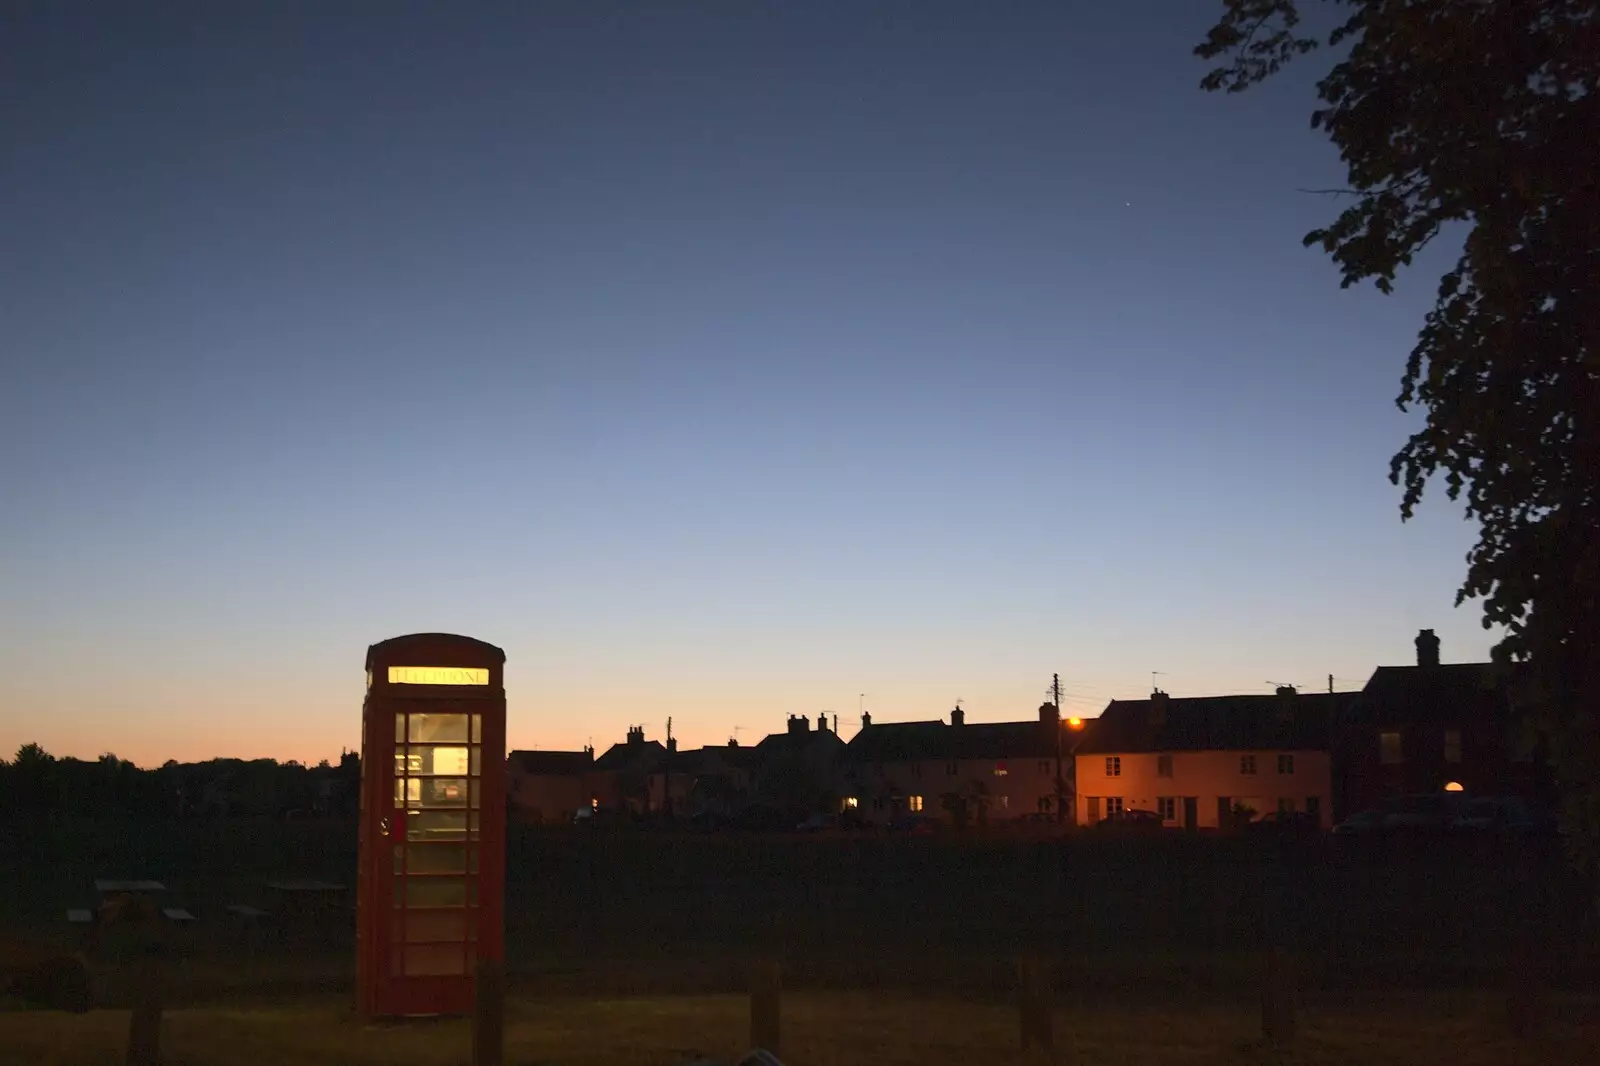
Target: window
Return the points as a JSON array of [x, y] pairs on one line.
[[1044, 767], [1167, 807], [1285, 804], [1247, 764], [1113, 805], [1000, 769], [1314, 808], [1163, 766], [951, 767], [1113, 766], [1003, 802], [1286, 764], [877, 803], [851, 803], [1452, 745], [913, 803], [1044, 805], [1389, 751]]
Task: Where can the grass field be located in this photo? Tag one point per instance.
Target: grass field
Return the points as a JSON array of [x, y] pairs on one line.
[[819, 1029]]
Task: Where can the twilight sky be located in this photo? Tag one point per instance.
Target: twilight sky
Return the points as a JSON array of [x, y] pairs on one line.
[[716, 360]]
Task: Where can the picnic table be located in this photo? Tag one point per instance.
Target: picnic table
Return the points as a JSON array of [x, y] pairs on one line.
[[307, 909]]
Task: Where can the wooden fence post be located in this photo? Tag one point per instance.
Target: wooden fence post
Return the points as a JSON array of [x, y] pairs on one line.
[[489, 1014], [144, 1027], [765, 992], [1033, 1002], [1277, 996]]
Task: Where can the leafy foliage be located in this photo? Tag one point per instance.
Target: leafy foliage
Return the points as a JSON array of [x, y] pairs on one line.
[[1483, 115]]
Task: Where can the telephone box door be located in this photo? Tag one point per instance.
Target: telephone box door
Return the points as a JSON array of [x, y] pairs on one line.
[[432, 861]]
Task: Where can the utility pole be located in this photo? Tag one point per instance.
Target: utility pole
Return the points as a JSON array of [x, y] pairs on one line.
[[1061, 781]]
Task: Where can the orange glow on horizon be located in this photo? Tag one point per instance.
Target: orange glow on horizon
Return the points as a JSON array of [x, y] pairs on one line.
[[1454, 786], [1074, 723]]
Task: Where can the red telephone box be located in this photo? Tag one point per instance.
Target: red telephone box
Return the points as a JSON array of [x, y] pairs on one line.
[[431, 881]]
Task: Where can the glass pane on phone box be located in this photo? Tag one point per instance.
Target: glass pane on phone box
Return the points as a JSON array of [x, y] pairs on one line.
[[474, 793], [435, 857], [477, 729], [436, 825], [437, 728], [443, 791], [436, 891], [400, 729], [425, 926], [442, 760], [475, 769], [407, 792], [435, 960]]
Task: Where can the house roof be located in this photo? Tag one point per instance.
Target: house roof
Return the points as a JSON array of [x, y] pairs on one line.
[[935, 740], [791, 742], [1301, 722], [1421, 693], [552, 763], [641, 756]]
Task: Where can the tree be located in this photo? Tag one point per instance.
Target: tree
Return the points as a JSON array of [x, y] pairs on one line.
[[1482, 118]]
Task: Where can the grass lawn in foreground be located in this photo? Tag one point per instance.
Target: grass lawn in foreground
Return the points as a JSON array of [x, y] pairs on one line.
[[820, 1029]]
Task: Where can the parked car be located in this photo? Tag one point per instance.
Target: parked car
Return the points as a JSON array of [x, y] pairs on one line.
[[1132, 819], [1284, 822], [1502, 815], [915, 824], [1362, 823]]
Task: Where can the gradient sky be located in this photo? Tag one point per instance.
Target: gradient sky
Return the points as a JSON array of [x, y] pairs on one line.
[[715, 360]]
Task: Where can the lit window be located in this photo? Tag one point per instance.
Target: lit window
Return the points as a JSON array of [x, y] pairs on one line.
[[1452, 745], [1113, 805], [1163, 766], [851, 803], [1000, 769], [913, 803], [1389, 751], [1167, 807], [1114, 766], [1286, 764], [1247, 764]]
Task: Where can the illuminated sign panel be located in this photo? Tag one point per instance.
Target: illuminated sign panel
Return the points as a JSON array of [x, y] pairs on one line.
[[438, 675]]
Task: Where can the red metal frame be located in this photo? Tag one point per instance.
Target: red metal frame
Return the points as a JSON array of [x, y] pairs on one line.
[[431, 881]]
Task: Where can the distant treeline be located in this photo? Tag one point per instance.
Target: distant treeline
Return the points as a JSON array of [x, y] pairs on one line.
[[38, 783]]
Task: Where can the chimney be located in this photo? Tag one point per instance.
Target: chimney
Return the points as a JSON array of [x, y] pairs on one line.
[[958, 716], [672, 743], [1285, 703], [822, 723], [1049, 715], [733, 742], [1286, 690], [1158, 710], [1427, 648], [799, 723], [866, 719], [635, 736], [836, 724]]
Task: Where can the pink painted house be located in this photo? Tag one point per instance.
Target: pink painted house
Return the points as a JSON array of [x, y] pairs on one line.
[[1212, 762]]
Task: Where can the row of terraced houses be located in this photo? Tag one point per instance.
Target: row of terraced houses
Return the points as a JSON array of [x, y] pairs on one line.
[[1201, 763]]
